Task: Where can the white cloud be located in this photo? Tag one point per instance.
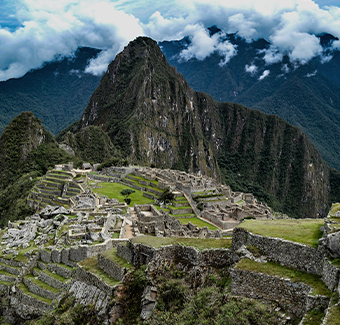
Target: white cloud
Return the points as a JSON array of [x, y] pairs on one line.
[[49, 28], [202, 45], [252, 69], [58, 28], [285, 68], [264, 74], [308, 75]]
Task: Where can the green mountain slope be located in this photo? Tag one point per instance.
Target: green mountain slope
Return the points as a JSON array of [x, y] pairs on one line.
[[27, 151], [56, 93], [306, 96], [153, 116]]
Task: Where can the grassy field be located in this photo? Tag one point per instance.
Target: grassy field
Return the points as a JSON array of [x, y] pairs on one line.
[[112, 191], [270, 268], [199, 243], [304, 231], [198, 222]]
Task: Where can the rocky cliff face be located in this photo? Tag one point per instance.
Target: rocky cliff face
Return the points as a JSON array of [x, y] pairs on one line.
[[153, 116]]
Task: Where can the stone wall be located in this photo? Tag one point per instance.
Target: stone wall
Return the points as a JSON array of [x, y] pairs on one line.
[[38, 290], [218, 222], [330, 275], [284, 252], [143, 254], [27, 300], [92, 279], [103, 178], [111, 268], [180, 211], [292, 297], [125, 252]]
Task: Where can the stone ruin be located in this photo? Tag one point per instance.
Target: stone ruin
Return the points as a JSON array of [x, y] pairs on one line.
[[159, 223]]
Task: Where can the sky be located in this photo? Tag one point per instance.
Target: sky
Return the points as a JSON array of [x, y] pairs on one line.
[[36, 31]]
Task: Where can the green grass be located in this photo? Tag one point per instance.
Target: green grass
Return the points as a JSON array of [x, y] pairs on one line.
[[70, 268], [90, 264], [199, 243], [183, 215], [181, 208], [334, 208], [143, 179], [54, 275], [112, 191], [304, 231], [113, 257], [314, 317], [198, 222], [26, 291], [270, 268], [333, 316], [115, 235], [6, 283], [41, 284]]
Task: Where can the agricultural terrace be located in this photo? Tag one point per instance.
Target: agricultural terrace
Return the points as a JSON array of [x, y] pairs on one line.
[[304, 231]]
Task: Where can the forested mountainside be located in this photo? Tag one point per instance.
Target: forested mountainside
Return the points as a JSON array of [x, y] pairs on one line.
[[56, 93], [306, 95], [153, 117]]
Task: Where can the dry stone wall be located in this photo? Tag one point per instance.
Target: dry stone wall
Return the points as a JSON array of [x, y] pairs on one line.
[[284, 252], [292, 297], [111, 268]]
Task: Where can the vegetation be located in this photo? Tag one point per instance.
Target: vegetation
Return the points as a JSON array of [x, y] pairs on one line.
[[199, 243], [270, 268], [198, 222], [90, 264], [208, 306], [306, 231], [112, 191], [126, 193]]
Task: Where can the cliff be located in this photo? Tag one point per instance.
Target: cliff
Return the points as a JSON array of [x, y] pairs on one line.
[[153, 117]]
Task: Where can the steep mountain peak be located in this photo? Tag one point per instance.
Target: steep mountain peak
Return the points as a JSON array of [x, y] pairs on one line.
[[153, 117], [25, 146]]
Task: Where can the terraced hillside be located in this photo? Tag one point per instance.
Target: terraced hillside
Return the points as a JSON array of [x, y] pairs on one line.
[[55, 188]]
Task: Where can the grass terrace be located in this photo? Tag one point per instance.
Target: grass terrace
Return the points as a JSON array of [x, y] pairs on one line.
[[113, 257], [270, 268], [112, 191], [304, 231], [26, 291], [199, 243], [198, 222], [90, 264], [144, 179]]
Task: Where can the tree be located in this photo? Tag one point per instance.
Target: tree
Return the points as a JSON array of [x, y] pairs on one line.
[[126, 193], [166, 197]]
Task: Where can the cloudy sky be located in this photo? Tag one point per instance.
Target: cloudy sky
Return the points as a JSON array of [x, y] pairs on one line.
[[35, 31]]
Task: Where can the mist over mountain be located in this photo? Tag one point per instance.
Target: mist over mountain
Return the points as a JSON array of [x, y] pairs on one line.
[[57, 93]]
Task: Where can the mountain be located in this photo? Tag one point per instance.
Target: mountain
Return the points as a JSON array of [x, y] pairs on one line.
[[307, 96], [27, 151], [56, 93], [153, 117]]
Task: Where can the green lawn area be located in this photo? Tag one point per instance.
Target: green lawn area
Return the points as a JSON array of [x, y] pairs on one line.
[[270, 268], [90, 264], [198, 222], [304, 231], [199, 243], [113, 257], [144, 179], [112, 191]]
